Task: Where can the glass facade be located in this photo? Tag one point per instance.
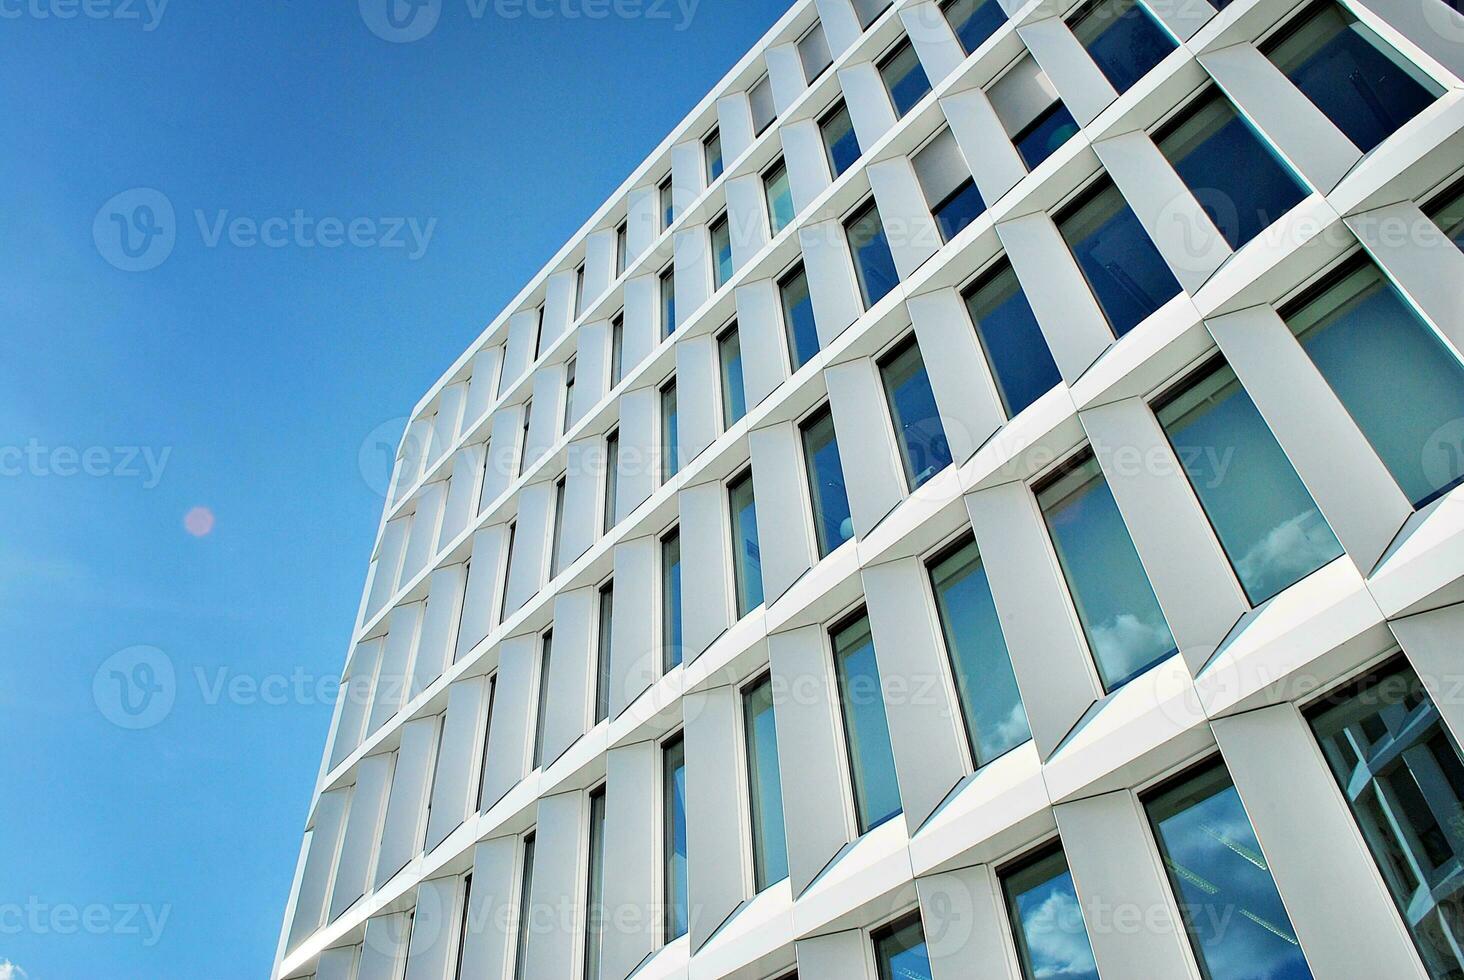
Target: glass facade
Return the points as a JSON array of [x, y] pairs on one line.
[[1448, 213], [1266, 521], [673, 774], [866, 729], [558, 531], [668, 302], [798, 320], [604, 636], [1235, 175], [1120, 616], [764, 784], [721, 251], [670, 440], [832, 522], [904, 78], [840, 140], [612, 478], [1043, 136], [668, 203], [1047, 922], [900, 953], [541, 711], [919, 431], [1021, 362], [671, 600], [1233, 914], [525, 910], [734, 392], [617, 349], [991, 706], [1123, 38], [1360, 82], [1128, 276], [595, 888], [957, 211], [780, 198], [873, 264], [1400, 381], [713, 147], [974, 21], [1400, 769], [746, 554]]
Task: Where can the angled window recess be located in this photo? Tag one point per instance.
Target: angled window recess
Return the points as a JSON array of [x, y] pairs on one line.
[[1123, 39], [904, 77], [831, 519], [950, 191], [974, 21]]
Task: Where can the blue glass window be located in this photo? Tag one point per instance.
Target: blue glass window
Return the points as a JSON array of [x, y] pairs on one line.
[[721, 251], [1237, 926], [1044, 135], [904, 77], [734, 397], [617, 349], [668, 302], [673, 791], [1265, 518], [1448, 214], [1402, 384], [918, 429], [1234, 174], [1121, 618], [840, 140], [670, 440], [765, 787], [974, 21], [873, 262], [798, 319], [1047, 922], [713, 146], [899, 951], [671, 600], [996, 722], [780, 198], [1123, 38], [746, 553], [1128, 276], [1402, 773], [605, 633], [866, 729], [831, 519], [668, 203], [1360, 82], [959, 210], [1020, 359]]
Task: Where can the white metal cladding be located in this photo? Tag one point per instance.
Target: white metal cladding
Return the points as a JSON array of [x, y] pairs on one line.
[[414, 851]]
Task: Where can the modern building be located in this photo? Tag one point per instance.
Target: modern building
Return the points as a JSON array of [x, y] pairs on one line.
[[983, 499]]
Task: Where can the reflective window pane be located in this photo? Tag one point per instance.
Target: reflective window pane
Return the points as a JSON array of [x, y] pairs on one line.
[[617, 350], [869, 10], [1120, 616], [595, 896], [1267, 522], [1403, 776], [813, 51], [622, 248], [526, 890], [900, 953], [840, 140], [873, 263], [1237, 926], [780, 198], [612, 477], [918, 427], [1047, 922], [798, 318], [764, 111], [831, 517], [996, 722], [764, 784], [1128, 276], [673, 770], [974, 21], [668, 203], [1402, 384], [904, 78], [557, 534], [1363, 85], [746, 554], [671, 600], [1045, 134], [670, 442], [1448, 214], [1123, 38], [959, 210], [541, 713], [866, 730], [1234, 174], [734, 397], [602, 679], [668, 302], [1020, 359], [721, 251], [713, 148]]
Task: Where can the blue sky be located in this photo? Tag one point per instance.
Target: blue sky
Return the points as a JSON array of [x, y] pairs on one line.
[[237, 381]]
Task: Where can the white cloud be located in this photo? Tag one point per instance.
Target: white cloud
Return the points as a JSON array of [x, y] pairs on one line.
[[1288, 551], [9, 971]]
